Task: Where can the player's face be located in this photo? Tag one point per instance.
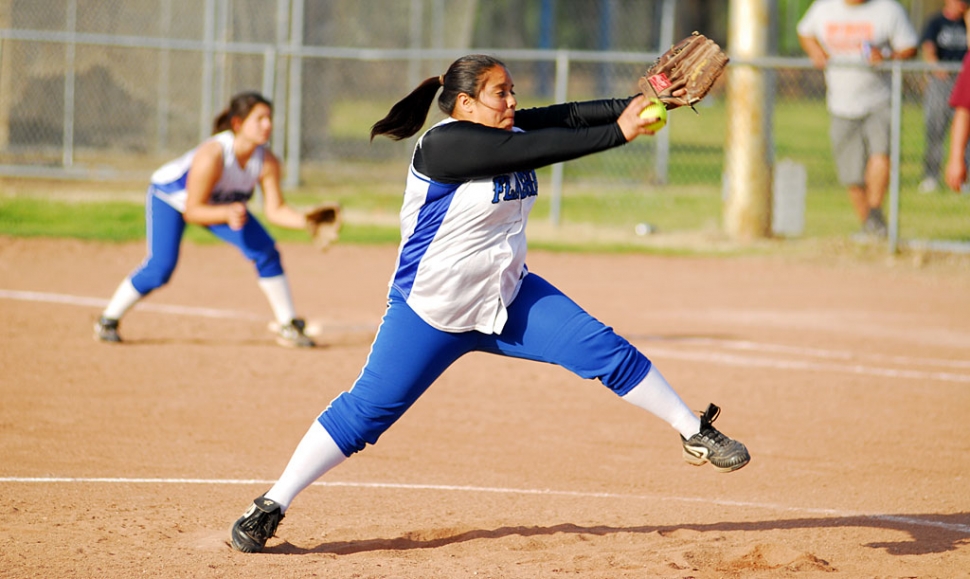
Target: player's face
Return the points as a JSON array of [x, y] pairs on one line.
[[258, 125], [495, 104]]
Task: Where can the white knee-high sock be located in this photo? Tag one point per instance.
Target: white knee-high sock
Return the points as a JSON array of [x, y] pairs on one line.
[[316, 454], [277, 291], [655, 395], [123, 299]]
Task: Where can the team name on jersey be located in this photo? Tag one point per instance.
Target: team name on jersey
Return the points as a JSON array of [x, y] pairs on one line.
[[226, 197], [518, 185]]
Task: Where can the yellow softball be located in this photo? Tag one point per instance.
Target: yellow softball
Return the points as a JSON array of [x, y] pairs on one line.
[[655, 110]]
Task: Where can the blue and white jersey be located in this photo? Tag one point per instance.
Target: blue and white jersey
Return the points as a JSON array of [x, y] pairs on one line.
[[236, 183], [469, 192], [463, 247]]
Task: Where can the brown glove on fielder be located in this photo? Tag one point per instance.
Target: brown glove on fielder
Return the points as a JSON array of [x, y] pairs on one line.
[[323, 224], [693, 64]]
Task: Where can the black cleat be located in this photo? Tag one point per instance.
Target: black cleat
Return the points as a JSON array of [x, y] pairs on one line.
[[250, 531], [710, 445], [293, 335], [106, 330]]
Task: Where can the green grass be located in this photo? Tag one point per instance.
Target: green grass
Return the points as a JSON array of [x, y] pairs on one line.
[[124, 222], [22, 217], [612, 191]]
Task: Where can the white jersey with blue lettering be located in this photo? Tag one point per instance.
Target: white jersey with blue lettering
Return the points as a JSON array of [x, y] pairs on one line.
[[236, 183], [469, 192], [463, 247]]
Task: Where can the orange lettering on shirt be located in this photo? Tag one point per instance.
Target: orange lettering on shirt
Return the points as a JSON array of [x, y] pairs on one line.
[[847, 37]]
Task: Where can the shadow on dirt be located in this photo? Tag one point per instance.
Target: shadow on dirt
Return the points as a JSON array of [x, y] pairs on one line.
[[928, 533]]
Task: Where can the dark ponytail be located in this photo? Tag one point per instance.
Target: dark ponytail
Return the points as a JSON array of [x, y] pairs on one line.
[[239, 107], [408, 115]]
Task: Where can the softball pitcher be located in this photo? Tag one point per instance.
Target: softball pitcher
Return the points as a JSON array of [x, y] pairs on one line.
[[210, 186], [461, 283]]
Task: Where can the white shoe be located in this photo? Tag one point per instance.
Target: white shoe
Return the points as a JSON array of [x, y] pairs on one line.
[[928, 185]]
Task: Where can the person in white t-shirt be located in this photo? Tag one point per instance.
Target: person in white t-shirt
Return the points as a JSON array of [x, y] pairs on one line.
[[847, 38]]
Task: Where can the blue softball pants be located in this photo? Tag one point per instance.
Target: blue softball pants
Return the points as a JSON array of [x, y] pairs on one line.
[[164, 228], [408, 355]]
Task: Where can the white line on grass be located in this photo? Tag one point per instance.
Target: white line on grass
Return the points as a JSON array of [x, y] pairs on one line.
[[901, 519]]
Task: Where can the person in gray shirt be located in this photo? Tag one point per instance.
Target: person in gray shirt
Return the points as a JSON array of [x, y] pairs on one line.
[[847, 38]]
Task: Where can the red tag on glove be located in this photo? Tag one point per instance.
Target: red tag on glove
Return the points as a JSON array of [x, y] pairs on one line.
[[659, 82]]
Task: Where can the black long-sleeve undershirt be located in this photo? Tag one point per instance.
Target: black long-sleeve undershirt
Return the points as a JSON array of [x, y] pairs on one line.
[[462, 150]]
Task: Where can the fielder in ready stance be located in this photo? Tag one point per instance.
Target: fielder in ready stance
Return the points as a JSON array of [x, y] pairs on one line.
[[461, 283], [210, 186]]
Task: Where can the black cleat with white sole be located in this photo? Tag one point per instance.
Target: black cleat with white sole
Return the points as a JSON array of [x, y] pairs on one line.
[[259, 523], [709, 445]]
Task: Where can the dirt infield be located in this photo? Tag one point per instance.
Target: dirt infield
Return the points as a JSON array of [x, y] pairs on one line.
[[850, 384]]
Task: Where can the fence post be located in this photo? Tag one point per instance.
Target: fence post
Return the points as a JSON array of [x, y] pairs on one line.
[[164, 73], [221, 86], [894, 146], [415, 40], [67, 157], [295, 100], [562, 84], [278, 91], [208, 66], [662, 139], [747, 207], [269, 72]]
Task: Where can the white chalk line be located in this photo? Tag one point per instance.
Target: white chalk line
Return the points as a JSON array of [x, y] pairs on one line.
[[802, 351], [28, 296], [807, 365], [900, 519], [213, 313], [709, 357]]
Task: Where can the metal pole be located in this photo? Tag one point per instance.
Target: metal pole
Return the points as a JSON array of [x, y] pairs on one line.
[[67, 158], [278, 91], [438, 31], [547, 15], [605, 42], [269, 79], [415, 32], [662, 139], [220, 74], [208, 38], [562, 84], [667, 20], [269, 72], [164, 69], [897, 107], [295, 101]]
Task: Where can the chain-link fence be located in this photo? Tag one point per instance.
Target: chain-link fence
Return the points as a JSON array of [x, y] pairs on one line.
[[102, 89]]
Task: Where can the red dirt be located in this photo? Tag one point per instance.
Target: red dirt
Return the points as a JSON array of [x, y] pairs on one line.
[[850, 384]]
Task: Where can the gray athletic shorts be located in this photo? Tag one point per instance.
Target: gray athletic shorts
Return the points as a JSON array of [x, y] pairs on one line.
[[853, 140]]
